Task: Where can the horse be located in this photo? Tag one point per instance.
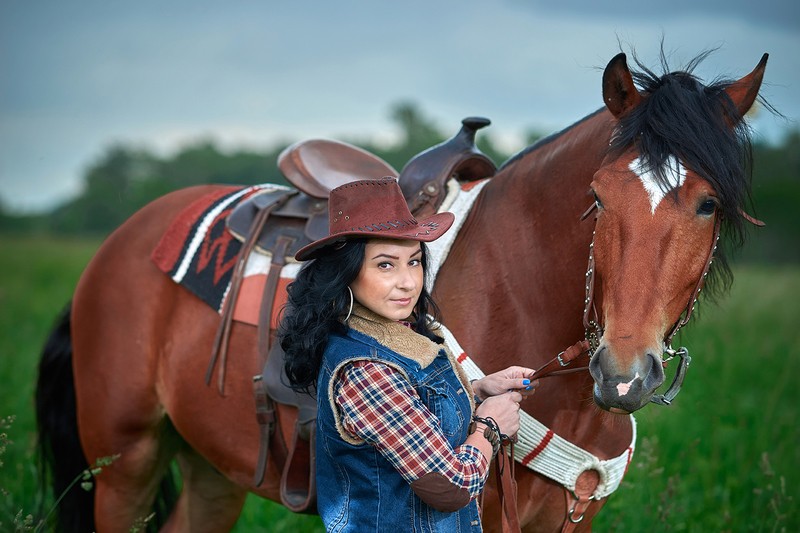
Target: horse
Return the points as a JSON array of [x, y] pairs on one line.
[[662, 169]]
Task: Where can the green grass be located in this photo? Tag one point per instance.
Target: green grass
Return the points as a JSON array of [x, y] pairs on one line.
[[723, 457], [36, 280]]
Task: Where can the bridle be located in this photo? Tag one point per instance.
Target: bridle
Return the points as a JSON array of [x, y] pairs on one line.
[[593, 329], [578, 501]]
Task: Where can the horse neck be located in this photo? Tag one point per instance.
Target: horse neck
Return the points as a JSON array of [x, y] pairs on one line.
[[512, 289], [525, 232]]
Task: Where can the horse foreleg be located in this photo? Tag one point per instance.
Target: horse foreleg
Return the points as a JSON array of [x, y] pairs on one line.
[[208, 502]]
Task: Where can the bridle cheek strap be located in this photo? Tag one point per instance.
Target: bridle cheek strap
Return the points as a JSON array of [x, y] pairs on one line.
[[687, 313]]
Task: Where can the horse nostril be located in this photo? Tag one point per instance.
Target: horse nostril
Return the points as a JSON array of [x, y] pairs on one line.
[[655, 377]]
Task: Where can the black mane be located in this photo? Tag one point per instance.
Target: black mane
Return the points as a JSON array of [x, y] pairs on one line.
[[680, 116]]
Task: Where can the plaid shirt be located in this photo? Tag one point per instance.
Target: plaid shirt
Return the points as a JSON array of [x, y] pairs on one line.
[[378, 405]]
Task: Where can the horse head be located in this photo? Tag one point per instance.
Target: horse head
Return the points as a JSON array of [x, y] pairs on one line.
[[676, 171]]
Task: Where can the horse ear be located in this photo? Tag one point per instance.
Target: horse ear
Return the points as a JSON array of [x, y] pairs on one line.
[[619, 93], [744, 92]]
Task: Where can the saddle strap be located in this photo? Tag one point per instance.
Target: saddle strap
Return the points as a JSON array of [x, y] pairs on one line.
[[265, 407], [282, 244], [219, 351], [578, 501], [298, 480], [507, 489], [265, 414]]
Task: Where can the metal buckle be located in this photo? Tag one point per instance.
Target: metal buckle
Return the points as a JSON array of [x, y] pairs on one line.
[[683, 354], [571, 512], [575, 520]]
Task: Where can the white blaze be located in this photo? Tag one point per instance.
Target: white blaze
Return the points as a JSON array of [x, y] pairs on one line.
[[673, 169]]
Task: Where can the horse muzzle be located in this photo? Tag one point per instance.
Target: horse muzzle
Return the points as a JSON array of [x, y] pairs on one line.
[[624, 388]]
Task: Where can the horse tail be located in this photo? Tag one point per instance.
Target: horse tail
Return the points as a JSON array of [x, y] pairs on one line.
[[61, 458]]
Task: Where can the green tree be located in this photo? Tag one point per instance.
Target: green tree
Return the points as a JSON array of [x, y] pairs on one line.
[[776, 194], [112, 192]]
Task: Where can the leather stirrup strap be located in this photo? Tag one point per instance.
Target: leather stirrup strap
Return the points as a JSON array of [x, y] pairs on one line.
[[507, 489], [298, 480], [282, 244], [219, 351], [265, 414], [265, 407]]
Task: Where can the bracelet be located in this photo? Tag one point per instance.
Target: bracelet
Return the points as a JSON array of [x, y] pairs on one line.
[[491, 433]]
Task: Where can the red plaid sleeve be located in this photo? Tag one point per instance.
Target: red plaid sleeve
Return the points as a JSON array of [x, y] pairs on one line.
[[378, 405]]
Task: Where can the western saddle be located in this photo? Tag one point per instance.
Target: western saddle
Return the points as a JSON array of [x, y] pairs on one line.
[[281, 221]]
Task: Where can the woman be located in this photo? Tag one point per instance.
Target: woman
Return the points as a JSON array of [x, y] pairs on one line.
[[396, 449]]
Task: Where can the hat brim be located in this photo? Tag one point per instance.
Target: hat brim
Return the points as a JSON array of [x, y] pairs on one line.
[[426, 230]]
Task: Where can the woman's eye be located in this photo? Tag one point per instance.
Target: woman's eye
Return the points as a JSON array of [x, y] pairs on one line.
[[385, 265], [415, 262], [707, 208]]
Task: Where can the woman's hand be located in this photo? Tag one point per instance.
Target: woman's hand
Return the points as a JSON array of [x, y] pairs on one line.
[[504, 409], [513, 378]]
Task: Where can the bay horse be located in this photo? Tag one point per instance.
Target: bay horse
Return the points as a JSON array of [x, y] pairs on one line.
[[663, 165]]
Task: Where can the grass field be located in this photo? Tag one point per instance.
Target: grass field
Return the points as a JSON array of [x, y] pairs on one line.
[[724, 457]]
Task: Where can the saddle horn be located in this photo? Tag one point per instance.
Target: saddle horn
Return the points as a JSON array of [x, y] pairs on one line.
[[423, 179]]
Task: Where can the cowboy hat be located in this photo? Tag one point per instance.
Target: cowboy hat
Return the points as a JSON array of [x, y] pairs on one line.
[[375, 209]]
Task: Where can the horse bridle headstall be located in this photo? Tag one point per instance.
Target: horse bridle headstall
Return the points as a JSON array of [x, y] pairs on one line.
[[593, 330]]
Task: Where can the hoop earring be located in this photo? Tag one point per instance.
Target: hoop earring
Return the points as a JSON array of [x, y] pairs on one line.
[[350, 312]]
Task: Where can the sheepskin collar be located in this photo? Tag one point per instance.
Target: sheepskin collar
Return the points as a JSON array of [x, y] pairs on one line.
[[394, 335]]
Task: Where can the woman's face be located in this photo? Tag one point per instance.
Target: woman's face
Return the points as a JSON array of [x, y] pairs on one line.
[[391, 278]]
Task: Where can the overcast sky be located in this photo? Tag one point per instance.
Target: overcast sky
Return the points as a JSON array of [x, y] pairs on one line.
[[77, 76]]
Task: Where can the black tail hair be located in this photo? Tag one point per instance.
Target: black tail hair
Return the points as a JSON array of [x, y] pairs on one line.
[[61, 458]]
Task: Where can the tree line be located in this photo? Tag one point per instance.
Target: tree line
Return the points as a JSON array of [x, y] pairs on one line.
[[125, 178]]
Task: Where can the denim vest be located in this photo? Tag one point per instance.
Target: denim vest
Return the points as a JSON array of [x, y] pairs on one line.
[[358, 489]]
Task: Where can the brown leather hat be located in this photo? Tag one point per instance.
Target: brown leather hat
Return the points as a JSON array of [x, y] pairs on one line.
[[375, 209]]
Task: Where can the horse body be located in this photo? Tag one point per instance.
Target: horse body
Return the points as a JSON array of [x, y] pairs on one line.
[[525, 293], [518, 297], [513, 290]]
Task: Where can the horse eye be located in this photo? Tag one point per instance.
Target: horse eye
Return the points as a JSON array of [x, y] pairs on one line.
[[597, 201], [707, 208]]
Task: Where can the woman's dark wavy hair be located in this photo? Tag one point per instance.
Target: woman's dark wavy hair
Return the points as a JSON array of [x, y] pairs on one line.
[[319, 299]]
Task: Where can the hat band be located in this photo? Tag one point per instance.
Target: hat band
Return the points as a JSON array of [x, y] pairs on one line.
[[433, 226], [380, 226]]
